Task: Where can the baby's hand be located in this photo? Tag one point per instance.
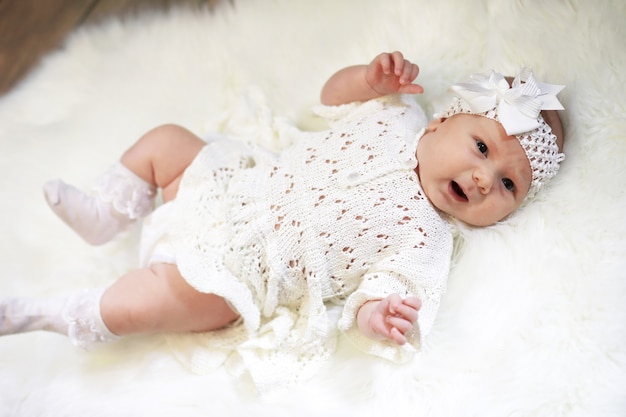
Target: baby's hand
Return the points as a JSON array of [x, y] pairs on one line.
[[390, 318], [392, 74]]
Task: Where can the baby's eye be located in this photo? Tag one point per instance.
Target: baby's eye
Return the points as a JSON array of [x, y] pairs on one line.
[[508, 184], [482, 148]]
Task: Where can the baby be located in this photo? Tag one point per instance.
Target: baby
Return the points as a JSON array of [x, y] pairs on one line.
[[257, 244]]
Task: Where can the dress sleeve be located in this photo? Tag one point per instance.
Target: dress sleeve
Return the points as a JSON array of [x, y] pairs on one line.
[[336, 114], [374, 287], [408, 275], [339, 115]]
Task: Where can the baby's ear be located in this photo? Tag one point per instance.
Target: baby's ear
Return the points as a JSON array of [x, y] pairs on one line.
[[435, 123]]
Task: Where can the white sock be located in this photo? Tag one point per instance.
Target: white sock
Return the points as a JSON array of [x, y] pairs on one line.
[[20, 315], [121, 197], [76, 316], [84, 319]]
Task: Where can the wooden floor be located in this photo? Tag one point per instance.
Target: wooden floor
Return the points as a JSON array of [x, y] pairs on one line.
[[31, 28]]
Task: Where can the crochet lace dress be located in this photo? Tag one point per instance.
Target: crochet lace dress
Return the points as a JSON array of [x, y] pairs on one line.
[[337, 218]]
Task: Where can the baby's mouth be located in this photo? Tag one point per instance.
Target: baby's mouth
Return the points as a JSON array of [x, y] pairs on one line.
[[458, 191]]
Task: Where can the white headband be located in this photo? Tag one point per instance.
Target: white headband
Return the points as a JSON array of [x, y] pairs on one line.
[[517, 108]]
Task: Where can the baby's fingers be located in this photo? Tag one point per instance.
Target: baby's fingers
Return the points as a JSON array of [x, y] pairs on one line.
[[401, 324], [399, 63], [405, 311], [411, 89], [413, 302], [408, 313], [408, 73], [396, 336], [386, 63]]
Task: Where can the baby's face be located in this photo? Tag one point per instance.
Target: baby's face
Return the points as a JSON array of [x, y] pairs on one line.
[[469, 168]]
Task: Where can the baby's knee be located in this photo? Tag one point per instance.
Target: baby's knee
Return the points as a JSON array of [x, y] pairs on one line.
[[166, 135], [170, 129]]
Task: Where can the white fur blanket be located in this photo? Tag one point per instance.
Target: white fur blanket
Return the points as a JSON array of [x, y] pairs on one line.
[[534, 320]]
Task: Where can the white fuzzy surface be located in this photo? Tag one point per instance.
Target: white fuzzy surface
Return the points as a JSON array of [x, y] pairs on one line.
[[534, 321]]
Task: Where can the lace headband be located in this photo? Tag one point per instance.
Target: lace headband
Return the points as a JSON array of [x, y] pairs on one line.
[[517, 107]]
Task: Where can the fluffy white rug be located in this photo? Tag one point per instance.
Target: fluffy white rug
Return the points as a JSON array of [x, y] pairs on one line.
[[534, 321]]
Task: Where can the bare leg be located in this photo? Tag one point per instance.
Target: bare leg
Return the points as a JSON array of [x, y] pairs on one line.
[[150, 300], [158, 299], [161, 156], [126, 191]]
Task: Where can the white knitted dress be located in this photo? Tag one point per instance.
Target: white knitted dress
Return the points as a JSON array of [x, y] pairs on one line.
[[338, 217]]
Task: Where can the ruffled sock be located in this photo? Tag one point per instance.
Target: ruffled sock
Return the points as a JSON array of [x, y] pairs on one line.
[[21, 315], [120, 198], [76, 316], [85, 326]]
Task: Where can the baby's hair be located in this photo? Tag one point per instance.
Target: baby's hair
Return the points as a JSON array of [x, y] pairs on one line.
[[553, 120]]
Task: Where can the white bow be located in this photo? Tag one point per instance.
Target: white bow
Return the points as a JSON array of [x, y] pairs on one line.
[[518, 106]]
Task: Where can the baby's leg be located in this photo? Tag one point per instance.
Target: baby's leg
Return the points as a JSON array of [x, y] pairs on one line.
[[158, 299], [161, 156], [126, 192], [150, 300]]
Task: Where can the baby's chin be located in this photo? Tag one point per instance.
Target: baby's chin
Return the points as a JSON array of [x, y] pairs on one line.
[[477, 220], [483, 221]]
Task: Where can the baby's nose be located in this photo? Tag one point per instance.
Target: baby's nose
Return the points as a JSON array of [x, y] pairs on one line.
[[484, 178]]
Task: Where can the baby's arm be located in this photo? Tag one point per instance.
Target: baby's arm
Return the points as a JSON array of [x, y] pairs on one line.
[[390, 318], [388, 73]]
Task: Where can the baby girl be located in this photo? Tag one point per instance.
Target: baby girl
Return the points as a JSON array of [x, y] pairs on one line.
[[258, 244]]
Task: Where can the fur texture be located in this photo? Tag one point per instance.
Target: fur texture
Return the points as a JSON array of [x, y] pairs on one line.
[[533, 323]]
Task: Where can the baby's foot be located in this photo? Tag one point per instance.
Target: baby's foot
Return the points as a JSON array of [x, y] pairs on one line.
[[96, 221], [76, 315], [20, 315]]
